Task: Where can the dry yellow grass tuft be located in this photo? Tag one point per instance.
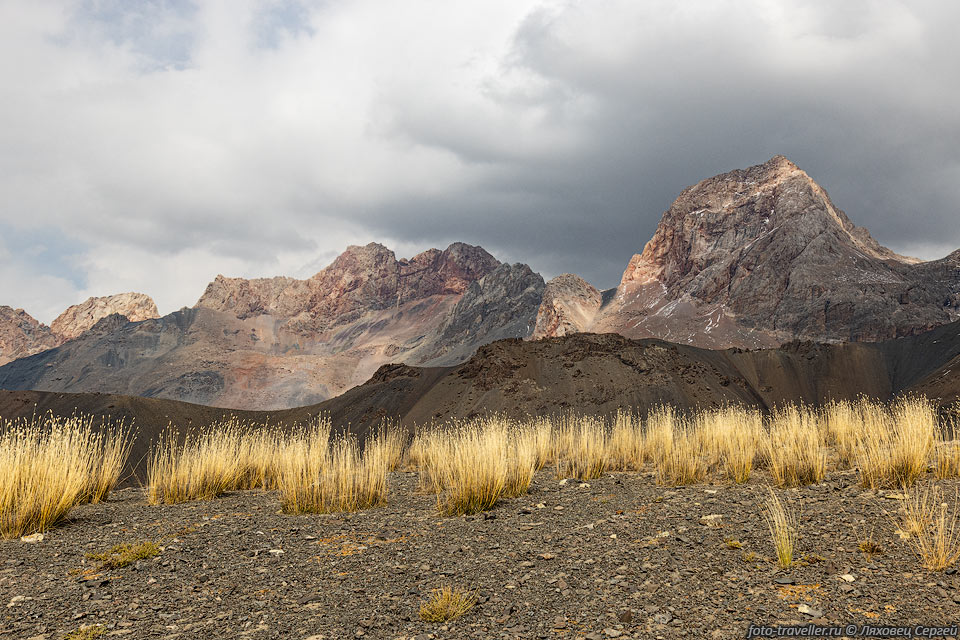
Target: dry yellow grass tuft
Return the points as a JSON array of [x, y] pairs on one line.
[[730, 438], [581, 448], [200, 467], [843, 423], [795, 451], [947, 464], [472, 466], [934, 527], [445, 604], [316, 476], [87, 632], [625, 447], [784, 526], [50, 464], [675, 447], [895, 444]]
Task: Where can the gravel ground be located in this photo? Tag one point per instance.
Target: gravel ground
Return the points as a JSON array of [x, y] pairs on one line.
[[617, 557]]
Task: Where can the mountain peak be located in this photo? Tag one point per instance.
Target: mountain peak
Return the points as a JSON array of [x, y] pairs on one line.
[[759, 255], [82, 317]]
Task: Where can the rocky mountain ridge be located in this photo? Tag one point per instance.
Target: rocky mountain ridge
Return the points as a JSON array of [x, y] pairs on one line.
[[274, 343], [750, 258], [762, 256], [22, 335]]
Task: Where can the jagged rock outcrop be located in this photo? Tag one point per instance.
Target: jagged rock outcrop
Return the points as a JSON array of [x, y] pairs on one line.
[[761, 256], [361, 279], [22, 335], [502, 304], [81, 317], [569, 305]]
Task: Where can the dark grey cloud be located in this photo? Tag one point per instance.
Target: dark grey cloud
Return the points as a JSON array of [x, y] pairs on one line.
[[170, 141]]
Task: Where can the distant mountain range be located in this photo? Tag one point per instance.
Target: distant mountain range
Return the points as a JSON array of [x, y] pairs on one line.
[[751, 258]]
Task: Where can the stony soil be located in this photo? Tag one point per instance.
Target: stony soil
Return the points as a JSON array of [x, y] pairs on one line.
[[617, 557]]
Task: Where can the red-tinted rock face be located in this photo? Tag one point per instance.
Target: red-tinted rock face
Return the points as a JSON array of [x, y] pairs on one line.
[[21, 335], [569, 305], [361, 279]]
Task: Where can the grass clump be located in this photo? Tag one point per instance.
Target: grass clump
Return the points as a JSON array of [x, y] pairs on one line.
[[933, 526], [87, 632], [674, 447], [730, 438], [783, 525], [316, 476], [582, 448], [123, 555], [470, 466], [894, 446], [625, 446], [50, 464], [200, 467], [869, 547], [445, 604], [473, 470], [796, 454]]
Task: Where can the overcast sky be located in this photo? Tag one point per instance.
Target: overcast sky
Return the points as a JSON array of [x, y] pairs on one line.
[[149, 146]]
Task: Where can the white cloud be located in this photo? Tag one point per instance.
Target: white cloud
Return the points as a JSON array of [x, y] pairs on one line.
[[171, 143]]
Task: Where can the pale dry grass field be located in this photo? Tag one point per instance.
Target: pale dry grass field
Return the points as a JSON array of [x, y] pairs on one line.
[[47, 467]]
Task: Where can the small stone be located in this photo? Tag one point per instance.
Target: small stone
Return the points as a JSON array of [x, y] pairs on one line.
[[663, 618], [32, 538], [714, 520], [276, 552], [847, 577], [625, 617], [809, 611], [613, 633]]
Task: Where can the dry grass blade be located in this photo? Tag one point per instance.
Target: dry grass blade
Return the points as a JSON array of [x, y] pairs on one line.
[[445, 604], [783, 525], [934, 527]]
